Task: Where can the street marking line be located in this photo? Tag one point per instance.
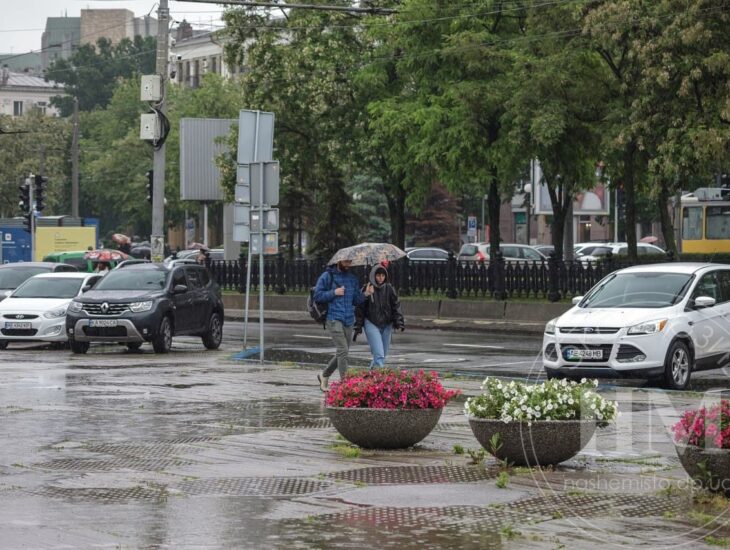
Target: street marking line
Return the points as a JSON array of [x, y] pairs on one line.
[[312, 337], [472, 346]]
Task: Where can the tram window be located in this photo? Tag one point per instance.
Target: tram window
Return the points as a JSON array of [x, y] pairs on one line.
[[692, 223], [718, 222]]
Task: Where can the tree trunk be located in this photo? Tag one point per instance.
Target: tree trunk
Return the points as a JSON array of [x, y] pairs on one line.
[[630, 198], [396, 200], [664, 219], [494, 203], [568, 232]]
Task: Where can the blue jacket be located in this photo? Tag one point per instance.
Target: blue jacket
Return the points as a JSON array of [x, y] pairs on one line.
[[341, 308]]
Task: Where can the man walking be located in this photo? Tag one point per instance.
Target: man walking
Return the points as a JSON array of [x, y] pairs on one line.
[[340, 290]]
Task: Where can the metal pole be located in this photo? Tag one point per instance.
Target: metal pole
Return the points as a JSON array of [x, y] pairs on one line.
[[529, 208], [31, 185], [248, 264], [484, 227], [261, 265], [205, 223], [75, 162], [615, 216], [158, 164]]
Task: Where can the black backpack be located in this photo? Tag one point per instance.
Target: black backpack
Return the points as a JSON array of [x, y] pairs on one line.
[[318, 310]]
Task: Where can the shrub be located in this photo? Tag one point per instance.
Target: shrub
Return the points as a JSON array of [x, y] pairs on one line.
[[701, 426], [552, 400], [389, 389]]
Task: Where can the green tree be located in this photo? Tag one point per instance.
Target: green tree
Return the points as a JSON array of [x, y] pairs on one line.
[[92, 72]]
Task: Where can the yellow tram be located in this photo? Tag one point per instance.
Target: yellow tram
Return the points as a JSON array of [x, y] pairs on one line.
[[706, 221]]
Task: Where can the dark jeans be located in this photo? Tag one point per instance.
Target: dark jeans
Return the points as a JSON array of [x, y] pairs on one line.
[[341, 337]]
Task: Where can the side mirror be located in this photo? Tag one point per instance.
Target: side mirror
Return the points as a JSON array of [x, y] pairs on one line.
[[179, 289], [704, 301], [577, 300], [85, 288]]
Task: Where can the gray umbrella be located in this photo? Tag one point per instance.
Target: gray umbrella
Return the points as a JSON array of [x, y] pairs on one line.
[[368, 254]]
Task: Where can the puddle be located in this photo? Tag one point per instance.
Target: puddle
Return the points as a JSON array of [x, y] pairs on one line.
[[186, 386]]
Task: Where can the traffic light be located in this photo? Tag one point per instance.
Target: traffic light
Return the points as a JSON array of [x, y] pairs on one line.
[[25, 206], [150, 184], [40, 192]]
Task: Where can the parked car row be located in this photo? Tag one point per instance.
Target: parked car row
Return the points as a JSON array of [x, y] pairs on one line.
[[141, 302]]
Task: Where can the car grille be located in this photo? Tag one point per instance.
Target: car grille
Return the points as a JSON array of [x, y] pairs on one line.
[[588, 330], [606, 348], [550, 352], [19, 331], [114, 309], [105, 331], [22, 317]]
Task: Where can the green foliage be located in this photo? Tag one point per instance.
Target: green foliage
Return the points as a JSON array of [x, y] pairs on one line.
[[92, 72], [476, 456], [458, 449], [502, 480]]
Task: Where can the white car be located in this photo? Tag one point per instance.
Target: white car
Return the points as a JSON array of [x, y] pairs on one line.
[[36, 310], [599, 252], [658, 321]]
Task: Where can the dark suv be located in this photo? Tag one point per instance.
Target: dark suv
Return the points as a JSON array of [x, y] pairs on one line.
[[147, 303]]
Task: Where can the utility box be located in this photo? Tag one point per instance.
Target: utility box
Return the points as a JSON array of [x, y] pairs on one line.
[[149, 128], [151, 87]]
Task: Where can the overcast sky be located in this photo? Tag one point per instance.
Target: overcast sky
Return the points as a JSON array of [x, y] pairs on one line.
[[23, 21]]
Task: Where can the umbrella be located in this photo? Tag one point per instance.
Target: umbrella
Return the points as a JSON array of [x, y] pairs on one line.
[[368, 254], [650, 239], [121, 238], [197, 246], [105, 255]]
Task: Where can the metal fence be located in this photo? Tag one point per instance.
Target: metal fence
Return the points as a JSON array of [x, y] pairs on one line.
[[552, 279]]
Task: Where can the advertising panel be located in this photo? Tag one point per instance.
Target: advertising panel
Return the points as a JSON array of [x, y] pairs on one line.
[[63, 239]]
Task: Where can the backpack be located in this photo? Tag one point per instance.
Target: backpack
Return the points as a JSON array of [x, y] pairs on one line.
[[318, 310]]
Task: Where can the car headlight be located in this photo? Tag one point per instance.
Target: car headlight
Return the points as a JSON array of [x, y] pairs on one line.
[[75, 307], [550, 327], [55, 313], [649, 327], [138, 307]]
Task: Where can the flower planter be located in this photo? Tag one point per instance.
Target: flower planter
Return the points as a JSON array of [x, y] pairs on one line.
[[543, 443], [708, 467], [383, 428]]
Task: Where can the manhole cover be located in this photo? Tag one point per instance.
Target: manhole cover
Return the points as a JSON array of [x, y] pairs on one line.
[[596, 505], [301, 423], [415, 474], [254, 486], [152, 450], [103, 495], [94, 465]]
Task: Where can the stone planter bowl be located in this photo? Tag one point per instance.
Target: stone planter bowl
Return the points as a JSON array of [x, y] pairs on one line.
[[383, 428], [708, 467], [543, 443]]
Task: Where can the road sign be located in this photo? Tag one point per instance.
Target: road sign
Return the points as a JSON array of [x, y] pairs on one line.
[[271, 243], [241, 214], [255, 136], [271, 220], [471, 226], [241, 233]]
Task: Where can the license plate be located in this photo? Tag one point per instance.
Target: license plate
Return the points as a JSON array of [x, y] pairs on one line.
[[571, 354], [103, 323], [17, 325]]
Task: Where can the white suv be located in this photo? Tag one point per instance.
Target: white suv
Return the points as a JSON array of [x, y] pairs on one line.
[[659, 321]]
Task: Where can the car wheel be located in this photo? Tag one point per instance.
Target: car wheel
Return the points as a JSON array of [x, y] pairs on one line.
[[78, 347], [213, 336], [134, 346], [162, 341], [3, 344], [677, 366]]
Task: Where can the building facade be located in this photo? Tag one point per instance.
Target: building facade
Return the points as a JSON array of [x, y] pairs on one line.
[[21, 93], [195, 53]]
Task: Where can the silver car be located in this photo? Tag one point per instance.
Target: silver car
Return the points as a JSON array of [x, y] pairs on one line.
[[479, 252]]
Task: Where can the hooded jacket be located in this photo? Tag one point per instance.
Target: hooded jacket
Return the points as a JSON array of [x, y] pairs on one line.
[[382, 308]]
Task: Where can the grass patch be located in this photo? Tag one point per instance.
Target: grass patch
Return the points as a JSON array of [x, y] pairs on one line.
[[347, 451], [509, 532], [717, 541], [502, 480], [458, 449]]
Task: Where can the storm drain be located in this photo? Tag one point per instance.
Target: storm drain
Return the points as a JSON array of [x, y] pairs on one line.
[[152, 450], [596, 505], [254, 486], [103, 495], [125, 463], [399, 475]]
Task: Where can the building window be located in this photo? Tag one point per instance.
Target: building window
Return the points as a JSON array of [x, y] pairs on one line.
[[213, 65], [41, 106], [17, 108]]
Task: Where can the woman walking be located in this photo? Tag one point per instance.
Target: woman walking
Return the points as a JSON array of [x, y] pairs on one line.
[[379, 315]]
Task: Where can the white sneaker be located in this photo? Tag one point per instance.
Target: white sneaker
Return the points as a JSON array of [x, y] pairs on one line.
[[323, 382]]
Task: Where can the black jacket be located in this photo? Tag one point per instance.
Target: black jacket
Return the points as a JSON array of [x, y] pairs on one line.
[[382, 308]]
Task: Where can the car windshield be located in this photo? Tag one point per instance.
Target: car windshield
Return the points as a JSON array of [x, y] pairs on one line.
[[47, 287], [128, 279], [13, 277], [638, 290]]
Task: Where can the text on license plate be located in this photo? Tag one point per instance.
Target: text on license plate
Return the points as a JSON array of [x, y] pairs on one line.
[[17, 325], [583, 354], [103, 323]]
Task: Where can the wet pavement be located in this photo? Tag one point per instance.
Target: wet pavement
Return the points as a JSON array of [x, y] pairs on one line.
[[195, 450]]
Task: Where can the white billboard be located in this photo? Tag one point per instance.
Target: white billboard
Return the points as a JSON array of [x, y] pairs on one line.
[[592, 202]]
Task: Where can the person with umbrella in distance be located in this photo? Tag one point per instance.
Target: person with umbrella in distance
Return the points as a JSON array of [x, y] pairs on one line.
[[379, 315], [340, 289]]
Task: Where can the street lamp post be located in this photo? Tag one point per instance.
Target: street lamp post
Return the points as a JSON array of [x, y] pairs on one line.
[[528, 201]]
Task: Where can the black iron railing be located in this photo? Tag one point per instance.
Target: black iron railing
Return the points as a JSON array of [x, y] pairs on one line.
[[552, 279]]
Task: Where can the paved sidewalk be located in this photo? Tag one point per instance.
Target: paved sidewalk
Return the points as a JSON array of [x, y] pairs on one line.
[[193, 450]]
